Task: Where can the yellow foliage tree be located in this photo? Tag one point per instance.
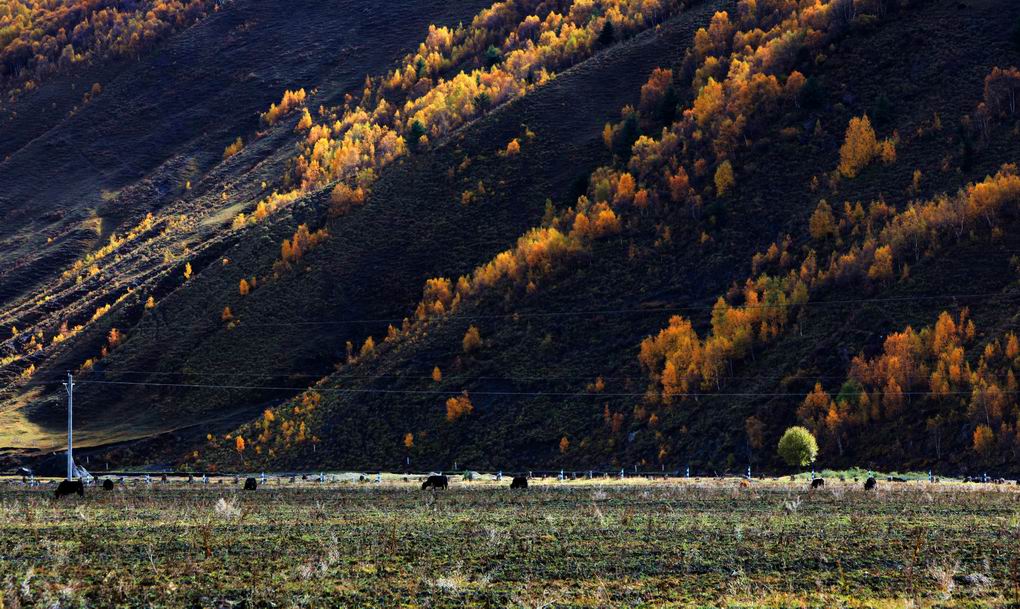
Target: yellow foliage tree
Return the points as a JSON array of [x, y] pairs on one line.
[[367, 348], [859, 147], [472, 340], [822, 223], [305, 123], [882, 268], [232, 149], [709, 102], [984, 440], [343, 198], [887, 150], [724, 180]]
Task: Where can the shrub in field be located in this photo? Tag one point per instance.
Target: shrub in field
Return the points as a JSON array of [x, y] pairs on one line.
[[798, 447]]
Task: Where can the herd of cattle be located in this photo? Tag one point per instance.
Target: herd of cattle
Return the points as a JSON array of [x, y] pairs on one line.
[[436, 482], [72, 487]]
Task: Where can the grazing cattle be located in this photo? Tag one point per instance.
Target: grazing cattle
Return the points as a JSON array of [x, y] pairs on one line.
[[519, 482], [745, 484], [107, 485], [817, 483], [895, 479], [250, 484], [70, 487], [870, 484], [435, 482]]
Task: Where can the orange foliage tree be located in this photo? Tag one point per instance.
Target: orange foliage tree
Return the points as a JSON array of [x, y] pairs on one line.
[[303, 241], [289, 101], [233, 148], [458, 406], [472, 340], [42, 37], [929, 370]]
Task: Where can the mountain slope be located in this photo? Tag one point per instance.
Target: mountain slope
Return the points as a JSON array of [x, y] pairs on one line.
[[533, 382], [160, 124], [648, 261], [184, 332]]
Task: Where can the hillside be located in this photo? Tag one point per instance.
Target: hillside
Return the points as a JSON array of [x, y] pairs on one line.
[[640, 248], [158, 128], [191, 230]]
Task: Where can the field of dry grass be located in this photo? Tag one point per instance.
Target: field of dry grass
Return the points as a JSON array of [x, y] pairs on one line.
[[599, 543]]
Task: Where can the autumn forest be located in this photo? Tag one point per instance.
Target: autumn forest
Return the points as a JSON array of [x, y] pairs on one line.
[[647, 234]]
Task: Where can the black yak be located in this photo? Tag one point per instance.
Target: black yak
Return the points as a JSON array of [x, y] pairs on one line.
[[250, 484], [107, 485], [519, 482], [70, 487], [870, 484], [435, 482], [817, 483]]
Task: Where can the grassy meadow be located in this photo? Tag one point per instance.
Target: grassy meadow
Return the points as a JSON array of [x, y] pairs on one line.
[[600, 543]]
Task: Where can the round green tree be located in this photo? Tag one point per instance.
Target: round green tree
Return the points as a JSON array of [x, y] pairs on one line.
[[798, 447]]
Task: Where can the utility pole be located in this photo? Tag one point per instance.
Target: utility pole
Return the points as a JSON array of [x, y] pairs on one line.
[[69, 386]]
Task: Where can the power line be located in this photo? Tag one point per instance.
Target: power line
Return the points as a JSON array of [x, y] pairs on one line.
[[592, 312], [437, 392], [447, 376]]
